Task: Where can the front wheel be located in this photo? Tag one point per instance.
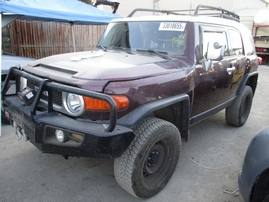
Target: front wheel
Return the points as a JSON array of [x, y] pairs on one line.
[[237, 114], [150, 160]]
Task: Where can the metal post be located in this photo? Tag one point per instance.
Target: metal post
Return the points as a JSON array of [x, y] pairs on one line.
[[73, 36]]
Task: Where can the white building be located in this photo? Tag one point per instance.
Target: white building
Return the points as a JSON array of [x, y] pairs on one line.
[[126, 6]]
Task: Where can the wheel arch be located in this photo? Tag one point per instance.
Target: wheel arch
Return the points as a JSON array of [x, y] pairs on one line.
[[250, 80], [179, 105], [260, 183]]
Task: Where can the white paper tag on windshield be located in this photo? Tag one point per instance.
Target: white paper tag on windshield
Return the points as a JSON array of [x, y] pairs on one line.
[[172, 26]]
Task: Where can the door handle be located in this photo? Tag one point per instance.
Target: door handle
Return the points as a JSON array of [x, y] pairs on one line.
[[230, 70]]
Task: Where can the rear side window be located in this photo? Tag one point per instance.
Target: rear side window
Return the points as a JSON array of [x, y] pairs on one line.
[[249, 46], [236, 42]]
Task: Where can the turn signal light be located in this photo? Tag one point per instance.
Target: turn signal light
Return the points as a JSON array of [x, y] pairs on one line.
[[122, 103]]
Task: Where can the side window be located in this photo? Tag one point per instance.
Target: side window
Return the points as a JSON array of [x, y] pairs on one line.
[[210, 37], [236, 42], [249, 47]]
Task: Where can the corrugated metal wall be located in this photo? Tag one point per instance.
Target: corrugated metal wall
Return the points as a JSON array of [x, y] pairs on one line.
[[39, 39]]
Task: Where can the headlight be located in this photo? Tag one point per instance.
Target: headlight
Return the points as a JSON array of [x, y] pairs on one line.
[[74, 104]]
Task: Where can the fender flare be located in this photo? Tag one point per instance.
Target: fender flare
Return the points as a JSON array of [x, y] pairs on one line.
[[244, 82], [131, 119]]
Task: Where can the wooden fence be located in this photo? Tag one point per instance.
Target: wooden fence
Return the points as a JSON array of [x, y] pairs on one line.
[[39, 39]]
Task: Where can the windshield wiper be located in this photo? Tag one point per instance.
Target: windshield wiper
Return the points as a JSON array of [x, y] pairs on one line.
[[123, 48], [159, 53], [103, 47]]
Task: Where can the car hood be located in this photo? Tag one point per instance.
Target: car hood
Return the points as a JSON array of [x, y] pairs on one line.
[[100, 65]]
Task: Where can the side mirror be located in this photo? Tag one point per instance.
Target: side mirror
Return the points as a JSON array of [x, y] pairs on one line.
[[215, 51]]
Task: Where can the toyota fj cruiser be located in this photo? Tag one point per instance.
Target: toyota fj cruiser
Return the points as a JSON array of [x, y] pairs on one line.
[[138, 93]]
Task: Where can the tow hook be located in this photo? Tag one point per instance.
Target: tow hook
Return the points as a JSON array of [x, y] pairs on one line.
[[19, 133]]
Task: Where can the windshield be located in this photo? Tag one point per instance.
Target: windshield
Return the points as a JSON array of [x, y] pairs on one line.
[[167, 37]]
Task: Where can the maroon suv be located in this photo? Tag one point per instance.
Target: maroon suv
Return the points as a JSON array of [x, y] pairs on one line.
[[138, 93]]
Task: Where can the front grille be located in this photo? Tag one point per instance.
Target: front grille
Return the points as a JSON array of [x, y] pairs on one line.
[[56, 95]]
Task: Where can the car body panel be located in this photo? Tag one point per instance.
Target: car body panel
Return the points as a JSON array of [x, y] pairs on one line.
[[97, 65], [255, 162]]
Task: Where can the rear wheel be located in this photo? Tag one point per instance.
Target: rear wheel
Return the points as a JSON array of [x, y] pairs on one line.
[[237, 114], [150, 160]]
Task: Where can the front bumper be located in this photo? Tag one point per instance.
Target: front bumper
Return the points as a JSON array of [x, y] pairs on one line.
[[97, 139]]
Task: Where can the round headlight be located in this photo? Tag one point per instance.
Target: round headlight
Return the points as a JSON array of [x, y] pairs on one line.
[[74, 104]]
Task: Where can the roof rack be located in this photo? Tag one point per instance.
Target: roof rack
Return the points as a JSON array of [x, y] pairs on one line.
[[200, 10], [174, 12], [222, 13]]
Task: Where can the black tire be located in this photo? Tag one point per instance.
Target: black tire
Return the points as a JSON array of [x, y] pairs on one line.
[[237, 114], [150, 160]]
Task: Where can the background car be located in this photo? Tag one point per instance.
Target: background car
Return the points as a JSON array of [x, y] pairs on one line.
[[11, 60], [253, 179], [8, 61], [259, 60]]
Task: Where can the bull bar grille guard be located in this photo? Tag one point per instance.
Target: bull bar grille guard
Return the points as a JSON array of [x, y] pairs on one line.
[[47, 85]]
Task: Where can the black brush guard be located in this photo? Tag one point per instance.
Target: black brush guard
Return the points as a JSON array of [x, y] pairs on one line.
[[101, 139]]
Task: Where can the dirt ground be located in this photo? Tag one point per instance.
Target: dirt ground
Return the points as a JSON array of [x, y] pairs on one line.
[[207, 170]]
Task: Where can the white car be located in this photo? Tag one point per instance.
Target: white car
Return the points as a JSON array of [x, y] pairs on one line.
[[8, 61], [11, 60]]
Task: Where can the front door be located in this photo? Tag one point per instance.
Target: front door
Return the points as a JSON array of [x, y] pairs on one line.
[[218, 84]]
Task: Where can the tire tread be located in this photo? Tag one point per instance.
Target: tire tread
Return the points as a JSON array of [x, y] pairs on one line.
[[124, 165]]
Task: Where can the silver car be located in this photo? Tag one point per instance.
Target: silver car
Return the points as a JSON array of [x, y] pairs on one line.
[[8, 61]]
